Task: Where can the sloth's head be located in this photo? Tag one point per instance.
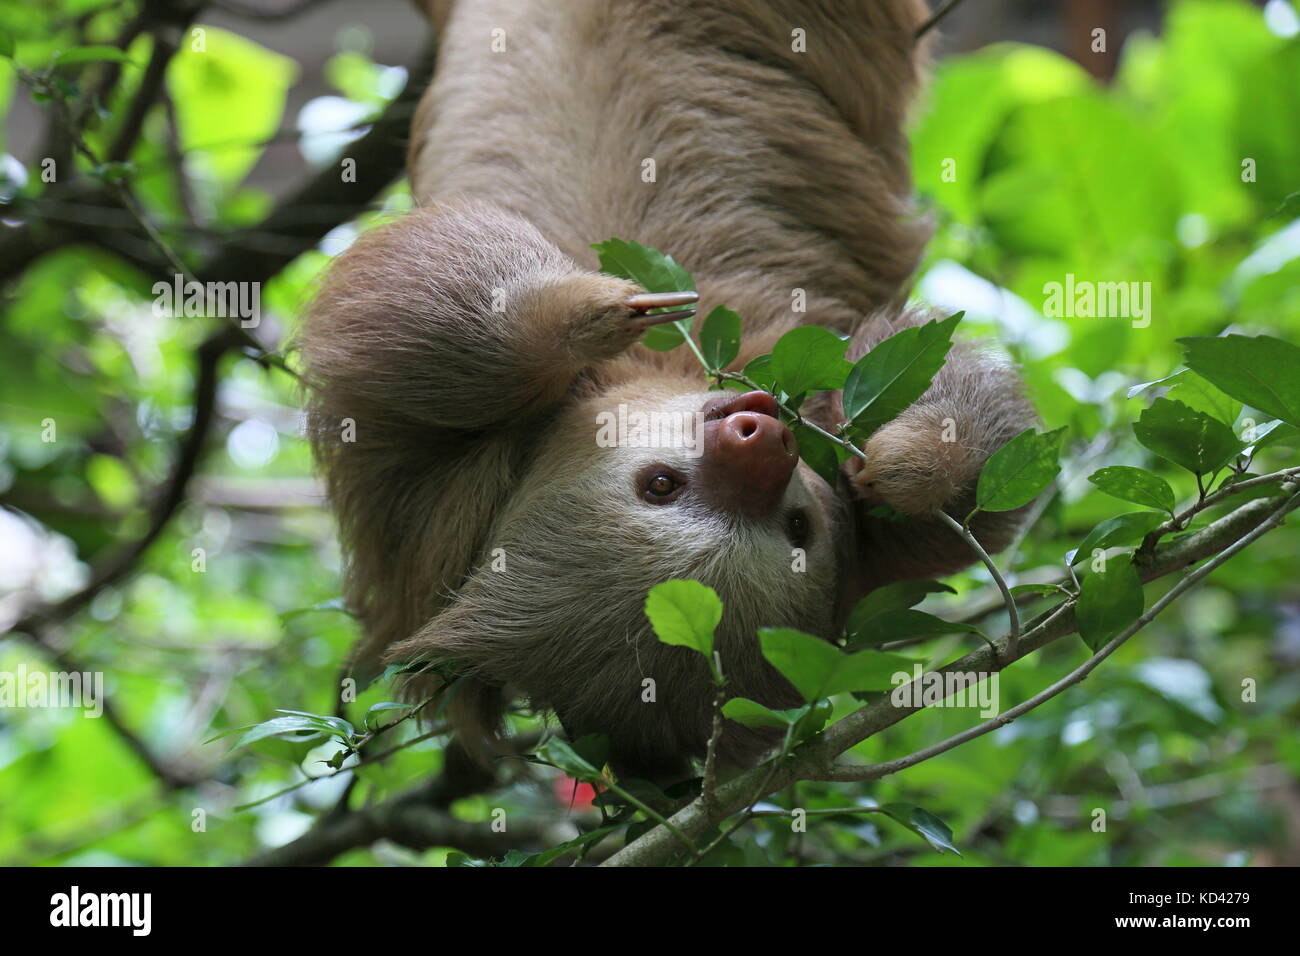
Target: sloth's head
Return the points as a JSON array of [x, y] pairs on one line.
[[638, 486]]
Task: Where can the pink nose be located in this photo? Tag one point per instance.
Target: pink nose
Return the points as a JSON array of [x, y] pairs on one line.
[[749, 456]]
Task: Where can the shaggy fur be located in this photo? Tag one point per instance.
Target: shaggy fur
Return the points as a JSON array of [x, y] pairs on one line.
[[471, 346]]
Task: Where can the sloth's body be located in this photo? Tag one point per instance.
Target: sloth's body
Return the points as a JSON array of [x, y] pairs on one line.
[[475, 348]]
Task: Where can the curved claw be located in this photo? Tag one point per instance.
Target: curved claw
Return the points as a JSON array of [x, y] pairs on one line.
[[661, 318], [661, 300]]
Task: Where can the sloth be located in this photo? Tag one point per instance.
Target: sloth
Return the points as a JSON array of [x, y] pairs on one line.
[[461, 359]]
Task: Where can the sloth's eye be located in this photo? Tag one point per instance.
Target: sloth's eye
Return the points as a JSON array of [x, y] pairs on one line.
[[659, 486], [798, 529]]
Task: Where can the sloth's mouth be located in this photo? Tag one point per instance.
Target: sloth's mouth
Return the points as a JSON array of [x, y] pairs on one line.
[[760, 403]]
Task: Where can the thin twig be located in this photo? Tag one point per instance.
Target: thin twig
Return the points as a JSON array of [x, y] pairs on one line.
[[1013, 635], [793, 413], [710, 781]]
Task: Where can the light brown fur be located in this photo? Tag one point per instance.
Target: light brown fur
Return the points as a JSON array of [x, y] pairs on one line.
[[473, 346]]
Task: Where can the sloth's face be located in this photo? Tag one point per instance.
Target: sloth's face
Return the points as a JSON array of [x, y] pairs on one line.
[[713, 478], [705, 485]]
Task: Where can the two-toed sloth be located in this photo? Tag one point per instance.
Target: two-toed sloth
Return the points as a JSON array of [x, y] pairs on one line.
[[460, 358]]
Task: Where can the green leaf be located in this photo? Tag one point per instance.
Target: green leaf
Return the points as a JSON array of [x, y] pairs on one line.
[[6, 44], [1262, 371], [1195, 392], [1018, 471], [558, 753], [811, 723], [1109, 601], [818, 669], [808, 662], [896, 373], [111, 480], [90, 54], [1185, 436], [551, 854], [1043, 590], [924, 823], [898, 624], [820, 453], [593, 748], [1136, 485], [1115, 532], [751, 713], [1198, 394], [280, 725], [892, 597], [399, 667], [327, 723], [720, 337], [685, 613], [809, 359], [1135, 390], [655, 272], [870, 670], [382, 707], [759, 371], [1272, 432]]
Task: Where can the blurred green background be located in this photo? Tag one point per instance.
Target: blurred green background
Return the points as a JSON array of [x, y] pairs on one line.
[[1182, 170]]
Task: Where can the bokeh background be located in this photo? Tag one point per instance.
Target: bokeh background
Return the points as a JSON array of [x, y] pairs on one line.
[[1116, 164]]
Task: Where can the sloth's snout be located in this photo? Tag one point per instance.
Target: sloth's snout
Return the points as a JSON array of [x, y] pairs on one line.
[[749, 455]]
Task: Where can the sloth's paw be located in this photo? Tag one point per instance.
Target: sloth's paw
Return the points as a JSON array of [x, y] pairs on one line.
[[914, 464], [609, 315]]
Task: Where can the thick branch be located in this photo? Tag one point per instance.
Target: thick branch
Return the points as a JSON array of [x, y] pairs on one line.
[[417, 819], [145, 98], [406, 821]]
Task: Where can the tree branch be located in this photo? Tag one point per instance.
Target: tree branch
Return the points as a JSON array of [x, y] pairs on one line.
[[405, 820], [815, 758], [876, 771], [113, 567], [417, 819]]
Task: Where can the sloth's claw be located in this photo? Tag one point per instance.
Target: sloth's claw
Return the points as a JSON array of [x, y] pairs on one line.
[[645, 301], [661, 300], [660, 318]]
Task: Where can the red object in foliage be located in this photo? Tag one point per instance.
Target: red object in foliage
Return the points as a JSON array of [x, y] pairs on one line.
[[574, 795]]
